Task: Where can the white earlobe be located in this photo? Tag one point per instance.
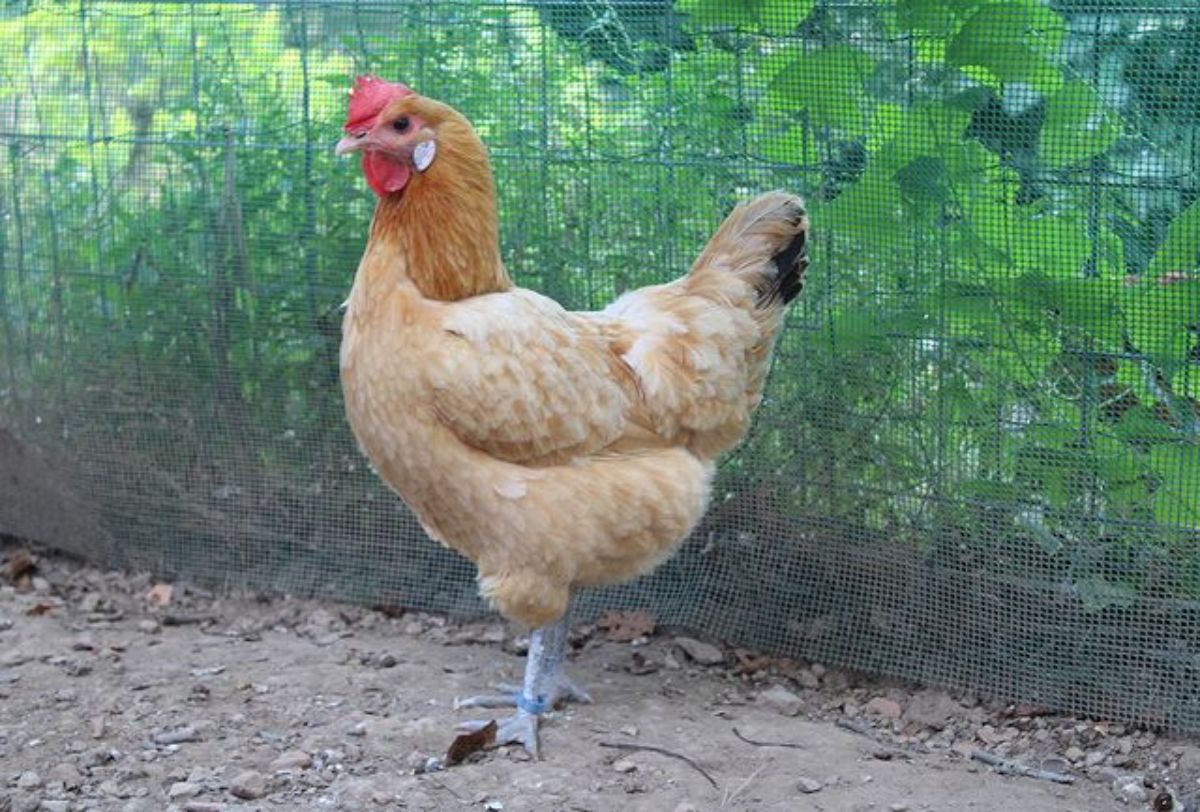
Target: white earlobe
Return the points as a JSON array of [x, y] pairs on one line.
[[424, 154]]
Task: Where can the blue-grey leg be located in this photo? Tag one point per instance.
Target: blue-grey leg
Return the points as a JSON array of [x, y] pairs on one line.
[[546, 686]]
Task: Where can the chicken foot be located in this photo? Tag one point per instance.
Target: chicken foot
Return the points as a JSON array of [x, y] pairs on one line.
[[546, 686]]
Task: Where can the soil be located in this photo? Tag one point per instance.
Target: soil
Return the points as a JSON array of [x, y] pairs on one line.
[[118, 693]]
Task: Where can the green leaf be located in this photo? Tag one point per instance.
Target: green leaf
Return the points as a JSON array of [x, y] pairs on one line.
[[780, 17], [936, 17], [1158, 318], [827, 83], [1013, 41], [1177, 493], [1078, 126], [1180, 250]]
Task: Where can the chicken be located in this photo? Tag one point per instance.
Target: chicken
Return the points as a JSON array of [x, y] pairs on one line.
[[553, 449]]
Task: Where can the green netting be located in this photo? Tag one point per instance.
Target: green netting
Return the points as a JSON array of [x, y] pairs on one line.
[[979, 461]]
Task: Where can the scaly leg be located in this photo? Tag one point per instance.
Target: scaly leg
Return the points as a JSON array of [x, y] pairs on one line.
[[546, 686]]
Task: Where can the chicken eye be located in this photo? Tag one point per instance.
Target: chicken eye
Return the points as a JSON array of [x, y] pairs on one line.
[[401, 124]]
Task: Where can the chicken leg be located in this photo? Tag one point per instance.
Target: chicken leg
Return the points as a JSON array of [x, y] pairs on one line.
[[546, 686]]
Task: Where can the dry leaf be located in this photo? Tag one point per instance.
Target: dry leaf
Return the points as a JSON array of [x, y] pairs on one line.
[[468, 744], [20, 566], [622, 627], [160, 595], [41, 608]]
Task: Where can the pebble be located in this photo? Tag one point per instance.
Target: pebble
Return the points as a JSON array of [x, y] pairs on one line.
[[700, 652], [67, 774], [780, 700], [899, 808], [624, 765], [201, 806], [931, 708], [808, 679], [55, 806], [249, 786], [1132, 792], [180, 735], [183, 789], [808, 785], [1074, 754], [292, 760], [686, 806], [887, 708], [147, 626], [29, 780]]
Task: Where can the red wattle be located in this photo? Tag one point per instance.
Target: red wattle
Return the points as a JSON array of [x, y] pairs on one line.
[[384, 174]]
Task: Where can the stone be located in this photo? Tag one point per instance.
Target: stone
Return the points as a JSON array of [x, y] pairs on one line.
[[887, 708], [931, 708], [67, 774], [29, 780], [780, 700], [700, 652], [292, 760], [808, 679], [183, 789], [808, 785], [249, 786], [624, 765], [1132, 792]]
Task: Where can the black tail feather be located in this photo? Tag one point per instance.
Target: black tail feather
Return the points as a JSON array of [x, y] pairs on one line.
[[791, 263]]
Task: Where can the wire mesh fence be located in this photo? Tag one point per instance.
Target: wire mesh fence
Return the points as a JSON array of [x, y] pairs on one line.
[[978, 463]]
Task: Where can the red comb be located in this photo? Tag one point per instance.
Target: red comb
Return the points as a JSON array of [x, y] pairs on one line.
[[368, 97]]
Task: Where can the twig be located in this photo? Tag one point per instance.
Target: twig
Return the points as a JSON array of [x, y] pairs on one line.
[[662, 752], [757, 743], [731, 796], [1003, 765]]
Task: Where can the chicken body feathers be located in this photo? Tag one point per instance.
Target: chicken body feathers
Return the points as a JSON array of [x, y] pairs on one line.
[[556, 448]]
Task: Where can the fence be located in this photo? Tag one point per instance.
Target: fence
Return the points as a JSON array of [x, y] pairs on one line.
[[978, 464]]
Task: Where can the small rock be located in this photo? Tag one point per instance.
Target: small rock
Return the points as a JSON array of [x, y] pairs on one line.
[[183, 789], [699, 651], [808, 679], [249, 786], [898, 808], [630, 731], [148, 626], [54, 806], [187, 733], [493, 805], [808, 785], [624, 765], [1074, 754], [97, 725], [67, 774], [29, 780], [887, 708], [686, 806], [292, 760], [780, 700], [932, 709], [201, 806], [1094, 758], [388, 661], [1132, 792]]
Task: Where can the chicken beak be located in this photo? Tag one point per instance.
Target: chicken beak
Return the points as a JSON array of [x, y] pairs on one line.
[[351, 143]]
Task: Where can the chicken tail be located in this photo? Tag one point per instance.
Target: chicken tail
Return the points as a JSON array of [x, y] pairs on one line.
[[762, 242]]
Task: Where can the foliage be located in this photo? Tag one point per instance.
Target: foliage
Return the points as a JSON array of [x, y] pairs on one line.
[[997, 347]]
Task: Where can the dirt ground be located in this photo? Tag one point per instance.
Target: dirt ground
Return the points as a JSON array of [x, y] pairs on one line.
[[120, 694]]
